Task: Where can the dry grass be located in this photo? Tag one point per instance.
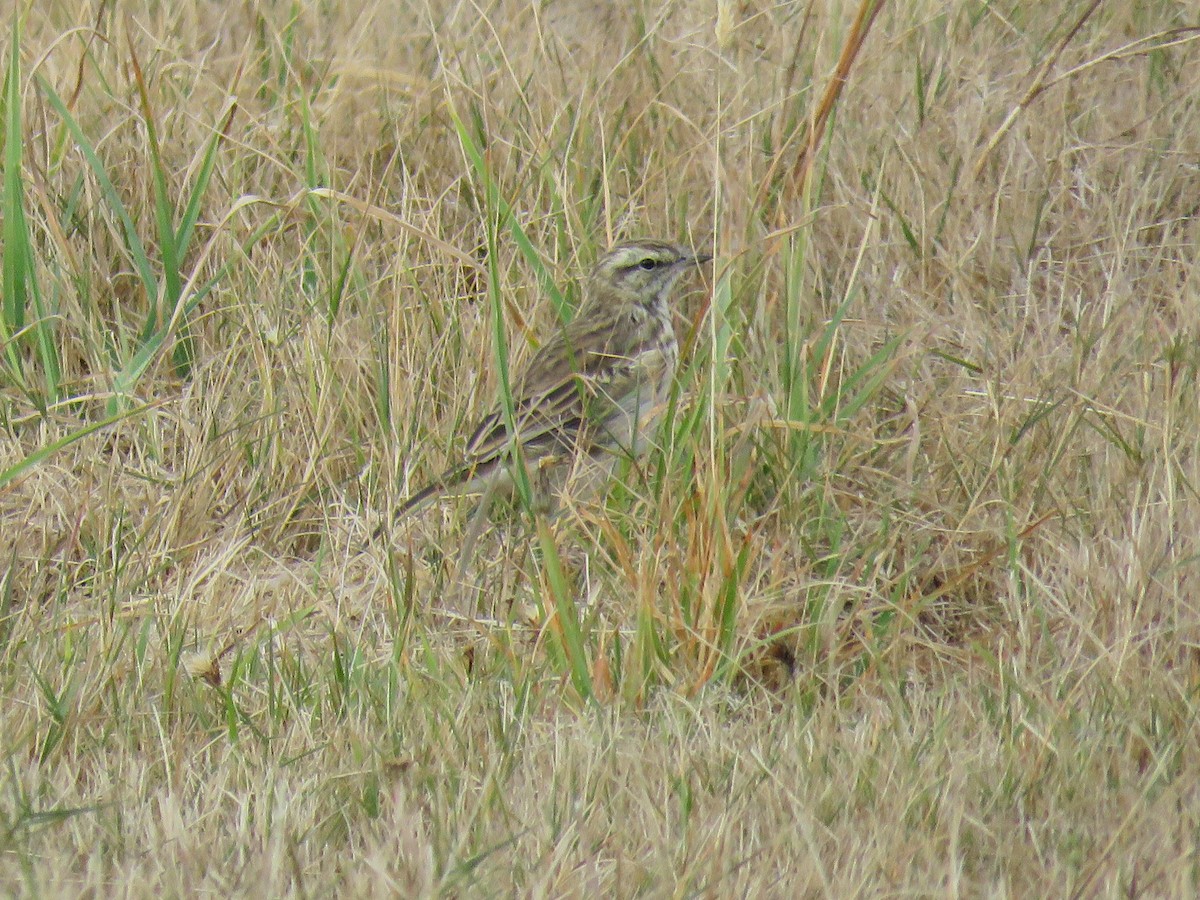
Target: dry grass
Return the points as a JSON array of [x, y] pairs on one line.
[[906, 603]]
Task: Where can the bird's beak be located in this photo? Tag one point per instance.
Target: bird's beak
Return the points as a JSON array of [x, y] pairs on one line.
[[702, 258]]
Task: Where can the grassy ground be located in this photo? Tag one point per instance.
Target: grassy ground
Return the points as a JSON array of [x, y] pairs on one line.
[[904, 603]]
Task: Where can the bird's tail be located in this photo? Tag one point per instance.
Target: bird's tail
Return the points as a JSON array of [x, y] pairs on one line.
[[448, 480]]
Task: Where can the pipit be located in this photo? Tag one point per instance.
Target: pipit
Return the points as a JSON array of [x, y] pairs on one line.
[[595, 389]]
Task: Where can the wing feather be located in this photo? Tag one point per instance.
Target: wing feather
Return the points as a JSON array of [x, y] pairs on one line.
[[562, 389]]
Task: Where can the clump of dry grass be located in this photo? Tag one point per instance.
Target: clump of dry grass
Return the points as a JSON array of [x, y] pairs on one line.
[[903, 602]]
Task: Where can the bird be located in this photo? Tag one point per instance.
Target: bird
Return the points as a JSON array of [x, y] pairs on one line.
[[593, 389]]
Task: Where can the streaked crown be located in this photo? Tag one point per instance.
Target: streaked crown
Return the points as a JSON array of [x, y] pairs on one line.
[[641, 272]]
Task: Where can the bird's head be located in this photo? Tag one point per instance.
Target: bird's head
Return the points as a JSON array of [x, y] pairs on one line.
[[641, 272]]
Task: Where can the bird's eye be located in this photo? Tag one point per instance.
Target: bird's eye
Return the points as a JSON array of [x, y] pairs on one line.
[[648, 263]]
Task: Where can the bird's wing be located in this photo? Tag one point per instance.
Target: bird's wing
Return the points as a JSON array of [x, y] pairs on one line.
[[561, 392]]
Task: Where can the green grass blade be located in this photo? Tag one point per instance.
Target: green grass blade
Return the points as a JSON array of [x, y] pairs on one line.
[[14, 471], [20, 284], [505, 216], [17, 252], [164, 214], [16, 238], [567, 628], [137, 250], [499, 214], [722, 336], [191, 212]]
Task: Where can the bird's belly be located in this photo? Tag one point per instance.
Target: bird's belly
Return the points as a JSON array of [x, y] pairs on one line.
[[631, 427]]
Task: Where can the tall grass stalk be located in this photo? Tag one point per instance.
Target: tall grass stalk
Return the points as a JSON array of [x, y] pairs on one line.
[[21, 286]]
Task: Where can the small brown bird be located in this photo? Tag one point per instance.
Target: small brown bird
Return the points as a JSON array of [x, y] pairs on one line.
[[595, 388]]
